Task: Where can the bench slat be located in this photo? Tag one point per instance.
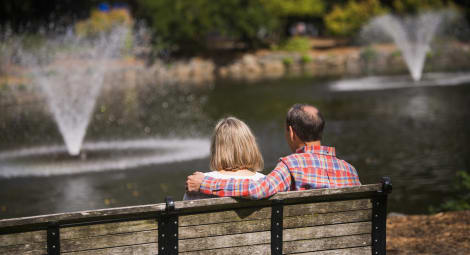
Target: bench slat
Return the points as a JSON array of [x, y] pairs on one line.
[[109, 241], [33, 248], [225, 216], [141, 249], [265, 213], [224, 229], [226, 241], [327, 218], [254, 238], [107, 229], [326, 243], [326, 207], [23, 238], [347, 251], [265, 224], [264, 249], [327, 231]]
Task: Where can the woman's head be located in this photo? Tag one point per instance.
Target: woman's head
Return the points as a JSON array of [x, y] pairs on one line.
[[233, 147]]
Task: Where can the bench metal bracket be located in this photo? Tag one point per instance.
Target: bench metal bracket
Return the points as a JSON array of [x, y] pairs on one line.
[[53, 239], [168, 229], [276, 227], [379, 218]]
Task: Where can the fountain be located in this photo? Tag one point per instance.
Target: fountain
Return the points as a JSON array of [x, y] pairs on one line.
[[70, 71], [412, 35]]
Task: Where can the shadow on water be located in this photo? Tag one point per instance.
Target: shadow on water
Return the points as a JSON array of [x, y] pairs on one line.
[[416, 135]]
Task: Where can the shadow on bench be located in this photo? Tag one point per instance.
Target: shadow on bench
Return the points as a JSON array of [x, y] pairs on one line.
[[324, 222]]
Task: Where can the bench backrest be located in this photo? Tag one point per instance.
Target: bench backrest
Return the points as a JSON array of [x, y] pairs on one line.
[[328, 221]]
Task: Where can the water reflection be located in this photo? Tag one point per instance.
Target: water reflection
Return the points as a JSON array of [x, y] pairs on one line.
[[418, 135]]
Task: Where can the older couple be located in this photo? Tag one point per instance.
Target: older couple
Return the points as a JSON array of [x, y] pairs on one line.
[[235, 160]]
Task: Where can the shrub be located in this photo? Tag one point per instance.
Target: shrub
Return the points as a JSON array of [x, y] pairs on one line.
[[414, 6], [368, 54], [188, 25], [461, 201], [347, 20], [287, 61], [101, 21], [297, 44], [306, 58]]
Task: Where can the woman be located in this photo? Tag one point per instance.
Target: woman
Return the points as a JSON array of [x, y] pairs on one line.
[[234, 154]]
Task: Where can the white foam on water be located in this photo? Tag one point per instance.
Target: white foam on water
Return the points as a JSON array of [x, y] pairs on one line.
[[399, 82], [178, 150]]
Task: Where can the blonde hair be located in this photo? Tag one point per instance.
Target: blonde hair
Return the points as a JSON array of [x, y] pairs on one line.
[[233, 147]]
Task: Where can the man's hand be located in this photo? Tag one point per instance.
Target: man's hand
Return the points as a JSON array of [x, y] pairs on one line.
[[193, 183]]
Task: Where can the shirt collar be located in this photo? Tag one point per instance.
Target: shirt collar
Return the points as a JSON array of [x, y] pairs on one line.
[[318, 149]]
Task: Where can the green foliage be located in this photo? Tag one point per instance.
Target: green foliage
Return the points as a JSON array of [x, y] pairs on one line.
[[462, 200], [295, 7], [287, 61], [415, 6], [306, 58], [189, 24], [100, 22], [347, 20], [368, 53], [296, 44], [396, 54]]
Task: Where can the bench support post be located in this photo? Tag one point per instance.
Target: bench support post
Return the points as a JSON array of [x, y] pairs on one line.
[[379, 218], [276, 227], [168, 229], [53, 239]]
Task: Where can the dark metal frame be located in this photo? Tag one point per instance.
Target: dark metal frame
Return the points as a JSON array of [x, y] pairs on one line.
[[379, 218], [168, 222], [276, 227], [168, 229], [53, 239]]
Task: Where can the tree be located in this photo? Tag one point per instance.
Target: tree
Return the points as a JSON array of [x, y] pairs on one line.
[[189, 24], [347, 20]]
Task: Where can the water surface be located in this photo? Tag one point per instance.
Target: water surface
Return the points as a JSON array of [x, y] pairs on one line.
[[416, 135]]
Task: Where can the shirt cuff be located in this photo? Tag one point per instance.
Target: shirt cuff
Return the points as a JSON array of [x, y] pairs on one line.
[[205, 187]]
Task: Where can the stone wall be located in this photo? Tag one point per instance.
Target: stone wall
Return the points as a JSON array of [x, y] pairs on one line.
[[348, 61]]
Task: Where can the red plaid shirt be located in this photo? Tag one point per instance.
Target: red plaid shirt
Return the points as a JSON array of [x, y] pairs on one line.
[[311, 167]]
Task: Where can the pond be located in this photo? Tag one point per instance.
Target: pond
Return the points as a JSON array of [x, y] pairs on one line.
[[417, 135]]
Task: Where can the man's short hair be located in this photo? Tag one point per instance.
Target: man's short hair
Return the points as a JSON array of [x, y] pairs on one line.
[[306, 124]]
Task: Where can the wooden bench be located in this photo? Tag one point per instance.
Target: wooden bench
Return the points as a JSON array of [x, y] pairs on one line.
[[324, 222]]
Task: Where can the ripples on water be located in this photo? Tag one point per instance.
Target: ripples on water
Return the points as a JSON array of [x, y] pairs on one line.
[[417, 133]]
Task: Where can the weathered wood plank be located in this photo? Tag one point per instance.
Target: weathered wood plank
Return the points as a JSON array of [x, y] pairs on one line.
[[7, 225], [326, 243], [23, 238], [225, 216], [83, 216], [291, 195], [107, 229], [226, 241], [33, 248], [259, 249], [224, 228], [265, 212], [345, 229], [346, 251], [141, 249], [247, 226], [326, 207], [327, 218], [109, 241], [255, 238]]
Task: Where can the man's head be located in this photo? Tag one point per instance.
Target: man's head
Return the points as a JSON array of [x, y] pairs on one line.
[[304, 124]]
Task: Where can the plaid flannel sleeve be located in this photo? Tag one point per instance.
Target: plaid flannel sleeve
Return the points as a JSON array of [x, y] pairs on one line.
[[276, 181]]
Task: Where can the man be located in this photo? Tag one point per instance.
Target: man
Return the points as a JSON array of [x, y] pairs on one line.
[[311, 166]]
